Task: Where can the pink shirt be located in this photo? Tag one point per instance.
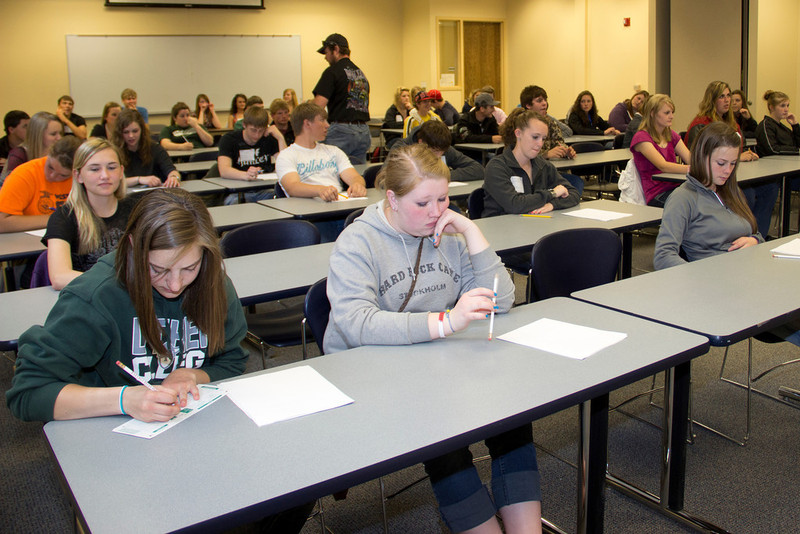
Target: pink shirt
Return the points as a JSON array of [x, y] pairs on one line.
[[646, 169]]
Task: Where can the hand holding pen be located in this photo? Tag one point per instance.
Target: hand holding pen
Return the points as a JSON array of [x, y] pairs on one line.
[[156, 403]]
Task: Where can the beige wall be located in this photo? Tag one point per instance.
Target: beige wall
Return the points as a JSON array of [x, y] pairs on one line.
[[36, 75], [774, 53]]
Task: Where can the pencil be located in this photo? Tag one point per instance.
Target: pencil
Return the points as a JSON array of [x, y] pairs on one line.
[[138, 378], [536, 215], [494, 303]]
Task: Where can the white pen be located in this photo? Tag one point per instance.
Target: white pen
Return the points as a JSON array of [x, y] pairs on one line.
[[138, 378], [494, 305]]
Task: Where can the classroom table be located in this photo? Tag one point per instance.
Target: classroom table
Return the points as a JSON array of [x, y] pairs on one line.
[[591, 159], [229, 217], [515, 233], [198, 187], [186, 154], [572, 139], [240, 187], [767, 169], [726, 298], [191, 167], [483, 148], [21, 310], [400, 417], [19, 245]]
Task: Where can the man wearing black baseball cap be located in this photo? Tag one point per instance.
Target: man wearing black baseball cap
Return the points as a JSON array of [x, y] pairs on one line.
[[344, 89]]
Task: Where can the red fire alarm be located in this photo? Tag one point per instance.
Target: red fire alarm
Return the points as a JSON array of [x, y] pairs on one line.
[[626, 21]]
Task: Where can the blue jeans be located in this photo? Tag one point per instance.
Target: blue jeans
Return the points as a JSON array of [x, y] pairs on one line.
[[761, 199], [329, 230], [353, 139], [464, 502], [250, 196]]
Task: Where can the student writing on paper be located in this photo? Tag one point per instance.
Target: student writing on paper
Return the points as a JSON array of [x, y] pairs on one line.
[[708, 214], [94, 217], [184, 132], [145, 162], [520, 180], [245, 154], [394, 274], [160, 304], [656, 148]]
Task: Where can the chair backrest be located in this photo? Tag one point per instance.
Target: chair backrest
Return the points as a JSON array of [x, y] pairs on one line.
[[475, 203], [267, 236], [211, 155], [317, 309], [279, 192], [41, 275], [570, 260], [371, 173], [352, 217], [618, 140], [213, 172], [588, 147]]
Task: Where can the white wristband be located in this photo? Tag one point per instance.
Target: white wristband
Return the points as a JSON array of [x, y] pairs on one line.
[[441, 325]]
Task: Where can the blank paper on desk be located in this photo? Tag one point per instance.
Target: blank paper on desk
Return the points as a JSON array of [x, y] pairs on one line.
[[564, 339], [272, 397]]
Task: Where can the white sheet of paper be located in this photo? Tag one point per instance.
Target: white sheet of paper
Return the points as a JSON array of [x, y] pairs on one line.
[[597, 215], [37, 233], [268, 176], [209, 394], [454, 184], [516, 181], [565, 339], [272, 397], [792, 248]]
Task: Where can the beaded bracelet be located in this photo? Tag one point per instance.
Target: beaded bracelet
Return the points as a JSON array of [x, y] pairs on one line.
[[447, 314]]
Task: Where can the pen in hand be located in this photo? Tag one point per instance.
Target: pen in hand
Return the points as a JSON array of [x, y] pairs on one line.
[[138, 378], [494, 305]]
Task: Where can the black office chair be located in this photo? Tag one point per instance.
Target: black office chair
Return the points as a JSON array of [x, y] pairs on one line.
[[41, 274], [352, 217], [475, 203], [571, 260], [371, 174], [618, 139], [316, 309], [280, 328]]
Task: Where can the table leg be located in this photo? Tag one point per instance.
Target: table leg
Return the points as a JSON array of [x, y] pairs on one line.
[[676, 416], [592, 461], [786, 207], [627, 255]]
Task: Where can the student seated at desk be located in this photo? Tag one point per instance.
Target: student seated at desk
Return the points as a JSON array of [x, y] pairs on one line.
[[708, 214], [396, 115], [130, 99], [436, 136], [90, 224], [622, 114], [585, 120], [145, 162], [747, 124], [279, 110], [167, 270], [655, 149], [519, 180], [290, 97], [73, 123], [184, 132], [774, 138], [253, 101], [238, 105], [206, 114], [535, 98], [243, 155], [43, 131], [443, 108], [15, 124], [371, 304], [33, 191], [479, 125], [421, 113], [110, 113]]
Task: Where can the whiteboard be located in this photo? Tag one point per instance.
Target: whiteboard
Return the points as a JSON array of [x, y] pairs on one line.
[[165, 69]]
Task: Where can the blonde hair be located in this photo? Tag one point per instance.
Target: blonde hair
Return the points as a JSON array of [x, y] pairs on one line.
[[407, 166], [651, 107], [294, 97], [708, 106], [397, 94], [774, 98], [34, 137], [90, 226]]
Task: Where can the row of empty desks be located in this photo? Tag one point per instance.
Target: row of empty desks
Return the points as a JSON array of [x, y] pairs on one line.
[[400, 416]]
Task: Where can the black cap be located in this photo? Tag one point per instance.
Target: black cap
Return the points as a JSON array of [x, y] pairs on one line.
[[333, 40]]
